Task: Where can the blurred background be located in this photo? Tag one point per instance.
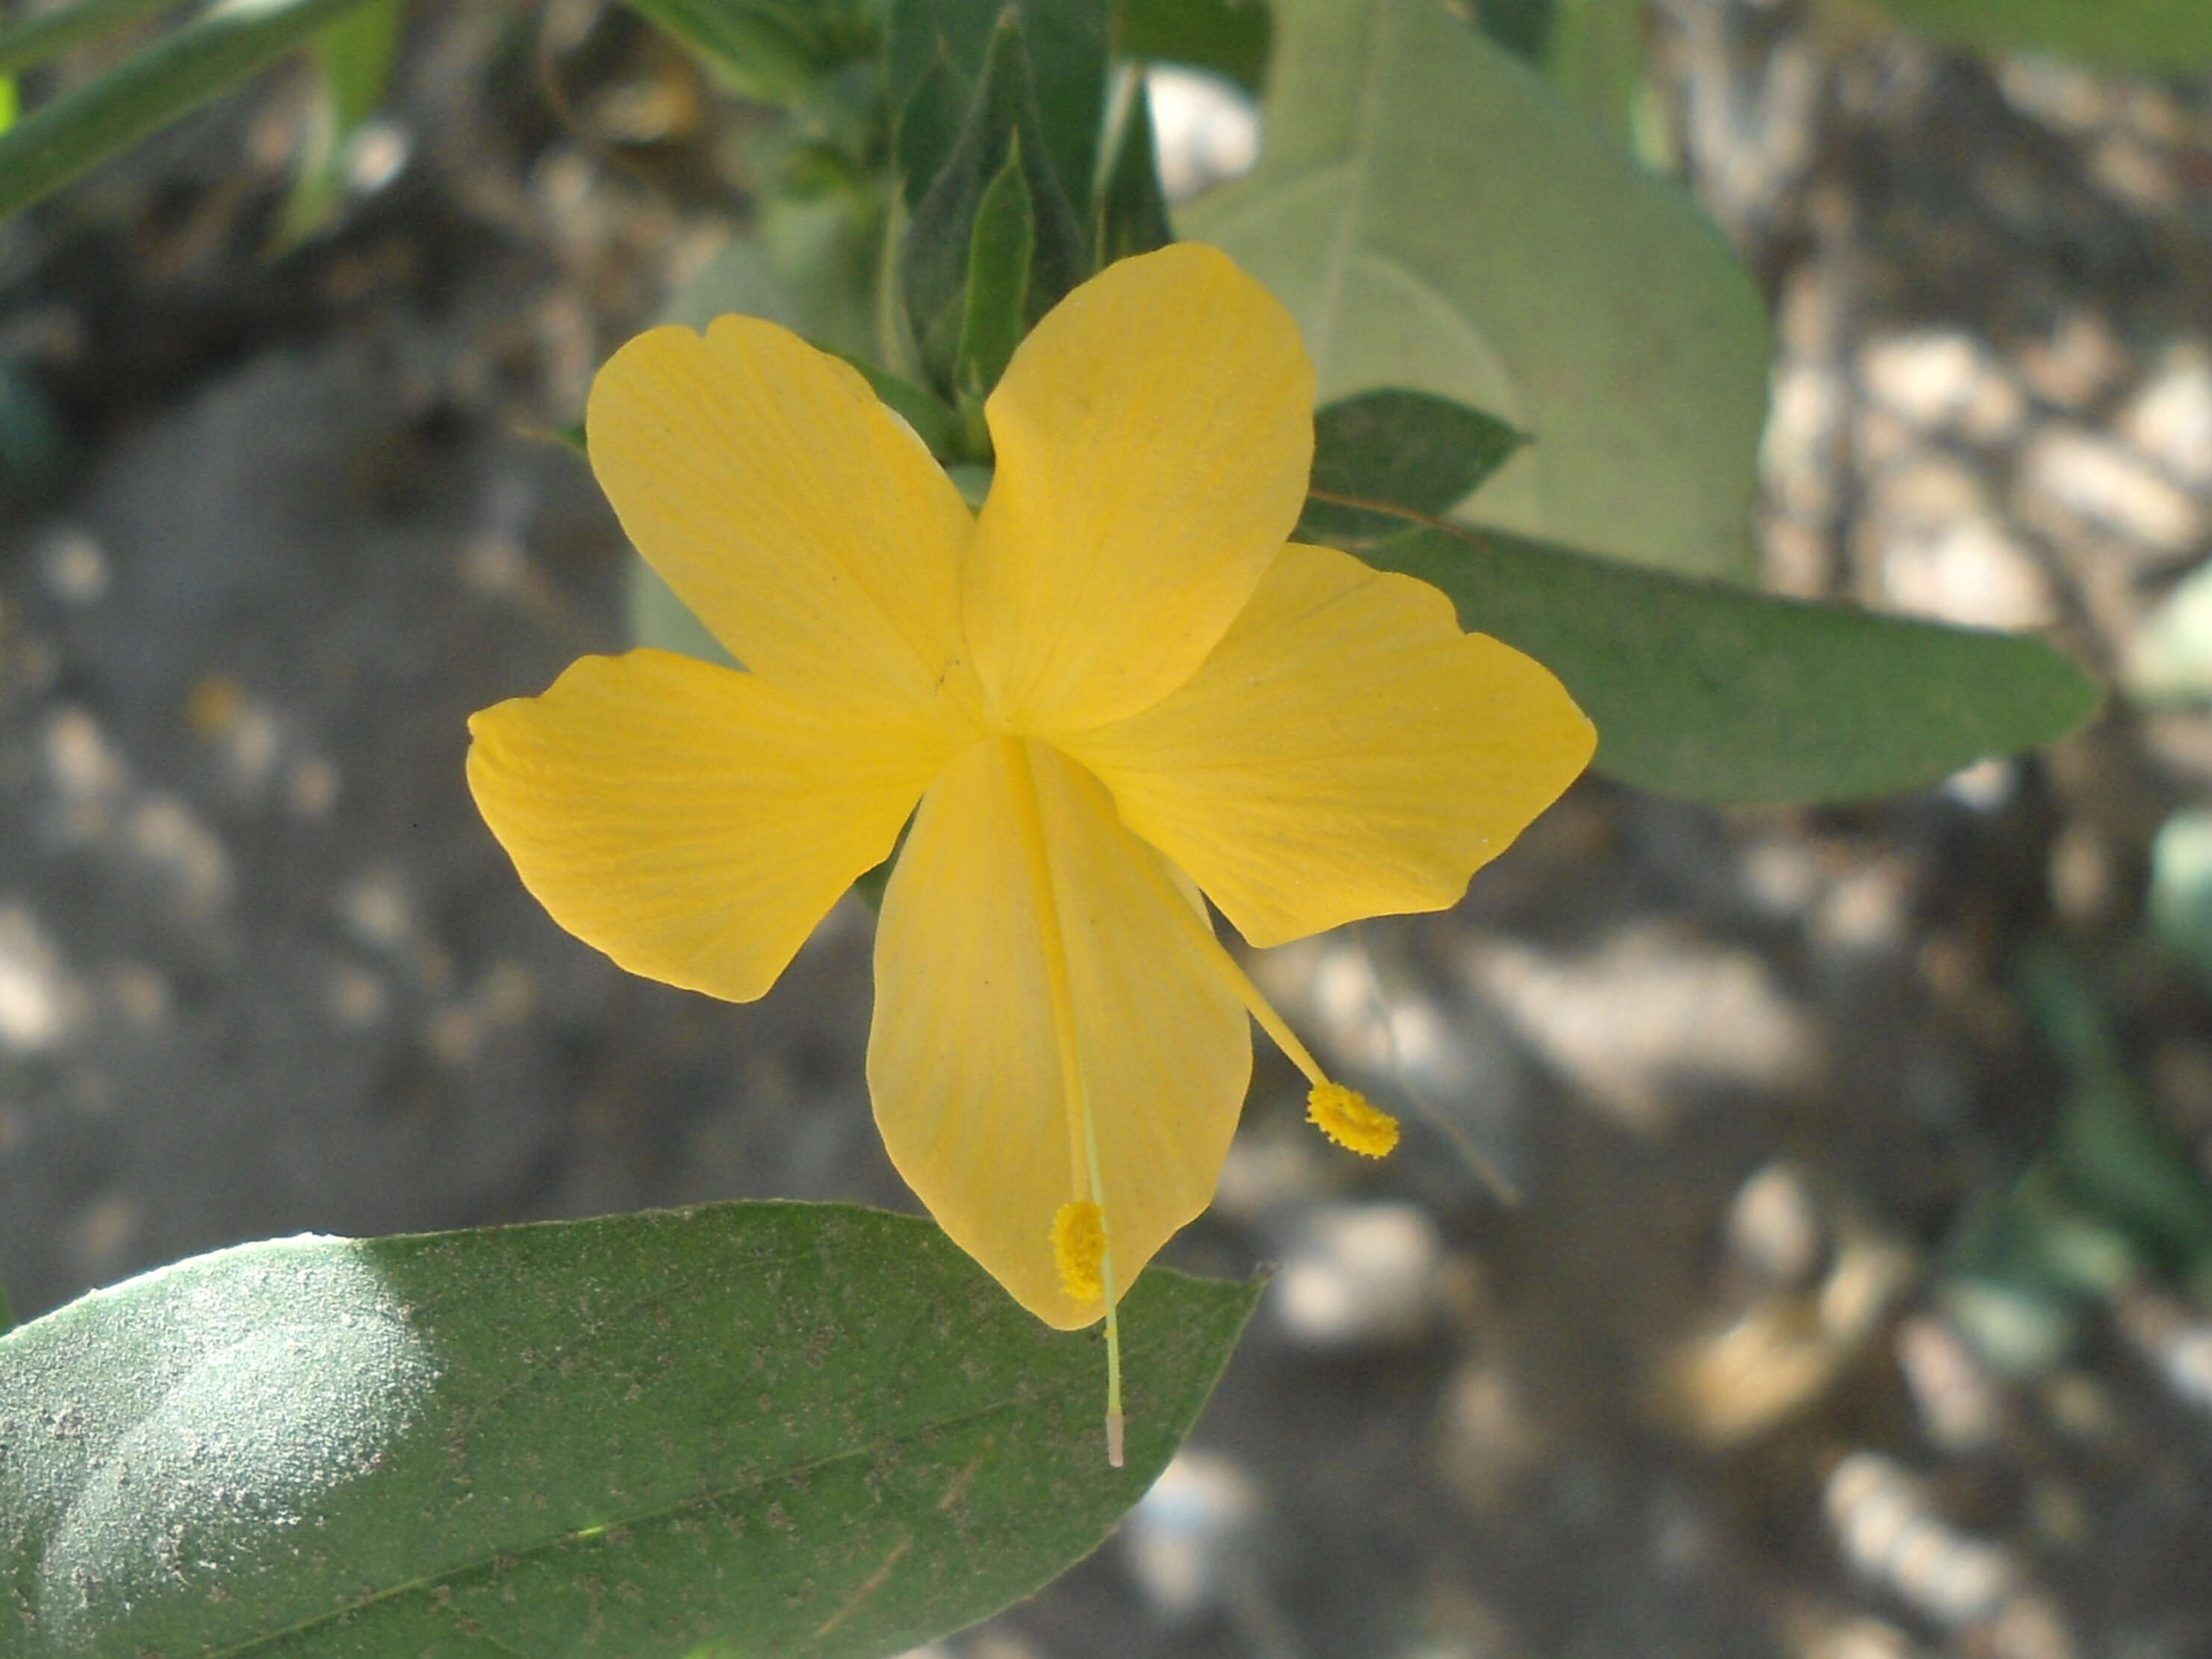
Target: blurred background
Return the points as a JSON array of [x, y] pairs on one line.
[[1801, 1242]]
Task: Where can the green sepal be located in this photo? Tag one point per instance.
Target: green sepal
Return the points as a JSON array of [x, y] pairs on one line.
[[935, 424], [1411, 450], [941, 236], [1133, 209], [999, 255]]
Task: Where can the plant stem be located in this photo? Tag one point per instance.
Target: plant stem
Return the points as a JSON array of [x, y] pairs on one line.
[[7, 1313]]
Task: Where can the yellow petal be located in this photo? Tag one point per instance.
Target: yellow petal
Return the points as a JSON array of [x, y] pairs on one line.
[[1154, 433], [1346, 752], [963, 1062], [693, 821], [801, 520]]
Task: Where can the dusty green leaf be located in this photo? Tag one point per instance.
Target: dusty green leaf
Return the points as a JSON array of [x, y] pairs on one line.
[[2173, 36], [808, 266], [1596, 55], [744, 1428], [1711, 692], [1438, 218], [183, 70], [1409, 450]]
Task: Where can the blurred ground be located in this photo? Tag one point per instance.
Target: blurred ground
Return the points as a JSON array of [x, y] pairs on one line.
[[1648, 1342]]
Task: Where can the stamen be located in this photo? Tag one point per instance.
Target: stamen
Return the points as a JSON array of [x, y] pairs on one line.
[[1079, 1245], [1074, 1085], [1351, 1120], [1345, 1115]]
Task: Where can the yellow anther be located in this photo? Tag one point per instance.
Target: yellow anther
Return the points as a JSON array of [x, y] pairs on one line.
[[1348, 1118], [1079, 1245]]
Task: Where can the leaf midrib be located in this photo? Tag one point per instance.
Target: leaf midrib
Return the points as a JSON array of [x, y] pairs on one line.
[[643, 1518], [1358, 161]]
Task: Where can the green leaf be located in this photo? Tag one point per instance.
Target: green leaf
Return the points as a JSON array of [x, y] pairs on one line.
[[940, 238], [1066, 41], [57, 142], [1523, 27], [354, 60], [1133, 209], [746, 1428], [2169, 660], [35, 446], [2127, 1170], [657, 618], [758, 52], [1710, 692], [2180, 904], [998, 256], [356, 55], [1596, 57], [1230, 37], [2110, 1157], [930, 114], [809, 266], [2172, 35], [1409, 450], [1591, 50], [35, 40], [1438, 218]]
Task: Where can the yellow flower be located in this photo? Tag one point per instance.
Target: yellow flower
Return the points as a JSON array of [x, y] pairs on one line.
[[1113, 689]]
